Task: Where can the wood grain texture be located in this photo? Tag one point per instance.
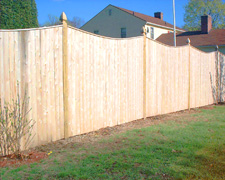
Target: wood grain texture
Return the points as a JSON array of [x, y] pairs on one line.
[[33, 59], [107, 80], [144, 73], [174, 72], [65, 75], [108, 73]]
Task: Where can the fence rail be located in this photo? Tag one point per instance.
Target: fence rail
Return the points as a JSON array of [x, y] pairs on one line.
[[110, 81]]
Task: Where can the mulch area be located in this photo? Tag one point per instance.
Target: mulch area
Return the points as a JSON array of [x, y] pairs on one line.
[[21, 159]]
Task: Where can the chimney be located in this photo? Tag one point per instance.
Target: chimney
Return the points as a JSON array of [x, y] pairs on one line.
[[206, 24], [159, 15]]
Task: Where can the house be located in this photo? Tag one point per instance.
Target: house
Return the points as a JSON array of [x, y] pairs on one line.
[[207, 39], [117, 22]]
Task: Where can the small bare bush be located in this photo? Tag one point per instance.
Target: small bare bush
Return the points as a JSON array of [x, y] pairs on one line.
[[218, 90], [222, 78], [14, 125]]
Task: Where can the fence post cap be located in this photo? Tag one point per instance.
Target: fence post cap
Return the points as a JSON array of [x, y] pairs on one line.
[[217, 48], [188, 41], [63, 17], [144, 31]]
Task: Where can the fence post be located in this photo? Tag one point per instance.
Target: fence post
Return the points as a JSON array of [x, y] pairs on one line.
[[63, 18], [144, 74], [189, 74], [217, 76]]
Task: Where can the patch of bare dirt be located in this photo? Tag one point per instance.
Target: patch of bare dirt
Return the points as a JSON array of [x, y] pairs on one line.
[[208, 107]]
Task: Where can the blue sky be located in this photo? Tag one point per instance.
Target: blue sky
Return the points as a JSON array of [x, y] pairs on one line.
[[86, 9]]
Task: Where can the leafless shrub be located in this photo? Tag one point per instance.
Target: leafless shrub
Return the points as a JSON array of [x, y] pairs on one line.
[[221, 86], [214, 92], [218, 90], [14, 125]]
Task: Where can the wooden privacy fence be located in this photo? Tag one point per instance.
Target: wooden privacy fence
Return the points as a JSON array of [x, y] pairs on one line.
[[80, 82]]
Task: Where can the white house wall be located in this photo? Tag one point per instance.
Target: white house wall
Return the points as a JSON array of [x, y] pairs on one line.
[[157, 31], [111, 25]]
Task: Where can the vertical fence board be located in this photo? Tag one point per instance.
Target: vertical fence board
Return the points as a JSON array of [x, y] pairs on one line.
[[105, 78]]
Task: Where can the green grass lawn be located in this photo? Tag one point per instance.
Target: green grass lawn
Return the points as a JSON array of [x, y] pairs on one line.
[[190, 147]]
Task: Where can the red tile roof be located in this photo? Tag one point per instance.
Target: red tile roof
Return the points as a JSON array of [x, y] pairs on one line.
[[215, 37], [150, 19]]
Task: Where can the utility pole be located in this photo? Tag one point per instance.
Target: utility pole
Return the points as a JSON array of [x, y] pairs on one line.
[[174, 24]]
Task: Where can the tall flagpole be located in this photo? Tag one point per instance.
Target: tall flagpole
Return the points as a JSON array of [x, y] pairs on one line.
[[174, 24]]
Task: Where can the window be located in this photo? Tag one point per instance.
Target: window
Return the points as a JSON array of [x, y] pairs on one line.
[[110, 12], [96, 31], [152, 32], [123, 32]]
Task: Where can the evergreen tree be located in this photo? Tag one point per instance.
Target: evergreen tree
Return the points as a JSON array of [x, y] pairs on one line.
[[6, 13], [18, 14], [34, 13]]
